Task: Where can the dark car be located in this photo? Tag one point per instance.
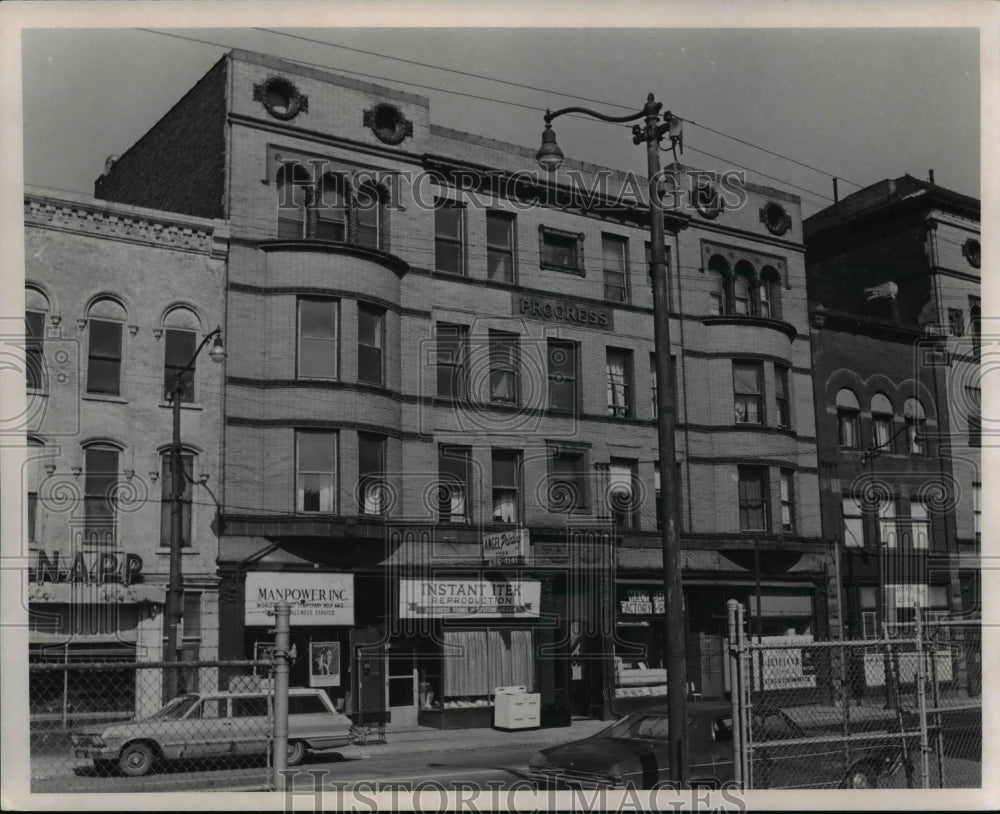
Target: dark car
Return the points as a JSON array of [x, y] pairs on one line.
[[633, 752]]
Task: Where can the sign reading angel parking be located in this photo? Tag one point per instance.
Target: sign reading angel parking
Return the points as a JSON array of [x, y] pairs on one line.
[[458, 598], [316, 599], [506, 547]]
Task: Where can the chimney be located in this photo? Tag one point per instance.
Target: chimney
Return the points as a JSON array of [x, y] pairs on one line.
[[930, 176]]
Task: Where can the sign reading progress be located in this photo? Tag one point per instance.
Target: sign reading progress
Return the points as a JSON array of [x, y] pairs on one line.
[[468, 598], [316, 599], [557, 309]]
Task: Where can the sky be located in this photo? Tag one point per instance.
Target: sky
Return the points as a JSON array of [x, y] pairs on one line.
[[862, 104]]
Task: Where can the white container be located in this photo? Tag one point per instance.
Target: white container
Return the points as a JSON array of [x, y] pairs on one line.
[[516, 708]]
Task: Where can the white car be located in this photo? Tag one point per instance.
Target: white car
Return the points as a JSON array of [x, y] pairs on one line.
[[214, 725]]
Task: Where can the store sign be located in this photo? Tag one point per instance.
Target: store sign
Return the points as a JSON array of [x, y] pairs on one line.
[[640, 601], [506, 547], [467, 598], [558, 309], [784, 668], [316, 599], [908, 595], [86, 568]]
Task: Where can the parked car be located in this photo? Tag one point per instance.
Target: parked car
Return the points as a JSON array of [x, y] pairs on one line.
[[633, 752], [214, 725]]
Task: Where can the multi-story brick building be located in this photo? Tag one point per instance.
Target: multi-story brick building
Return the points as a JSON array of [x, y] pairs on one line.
[[116, 298], [894, 292], [439, 430]]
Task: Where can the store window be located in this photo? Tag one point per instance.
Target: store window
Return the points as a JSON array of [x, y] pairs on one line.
[[106, 319], [371, 339], [372, 496], [561, 250], [753, 497], [506, 466], [847, 419], [748, 398], [476, 662], [500, 246], [319, 322], [449, 237], [562, 375], [504, 384], [615, 252], [100, 498], [854, 523], [167, 496], [787, 501], [781, 397], [567, 490], [454, 470], [913, 415], [619, 371], [452, 356], [316, 471], [882, 422]]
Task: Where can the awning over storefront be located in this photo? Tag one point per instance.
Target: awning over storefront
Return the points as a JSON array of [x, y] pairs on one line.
[[64, 593]]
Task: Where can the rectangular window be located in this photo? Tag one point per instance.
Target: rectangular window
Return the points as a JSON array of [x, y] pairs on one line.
[[371, 474], [452, 355], [500, 246], [100, 505], [854, 523], [454, 468], [847, 427], [504, 368], [914, 435], [888, 531], [178, 351], [615, 251], [561, 250], [34, 350], [753, 493], [104, 357], [562, 373], [956, 321], [316, 471], [568, 479], [920, 526], [506, 486], [167, 496], [882, 431], [371, 338], [619, 372], [781, 396], [747, 390], [369, 210], [449, 232], [787, 501], [318, 334], [622, 493]]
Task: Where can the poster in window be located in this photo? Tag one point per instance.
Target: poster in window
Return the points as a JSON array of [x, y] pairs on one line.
[[324, 664]]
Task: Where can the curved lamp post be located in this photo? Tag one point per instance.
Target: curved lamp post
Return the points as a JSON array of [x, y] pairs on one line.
[[175, 587], [550, 157]]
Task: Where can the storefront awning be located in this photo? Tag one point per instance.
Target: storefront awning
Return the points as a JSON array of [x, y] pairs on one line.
[[61, 593]]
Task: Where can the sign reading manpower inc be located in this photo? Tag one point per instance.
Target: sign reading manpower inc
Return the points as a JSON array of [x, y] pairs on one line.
[[316, 599], [455, 598], [506, 547]]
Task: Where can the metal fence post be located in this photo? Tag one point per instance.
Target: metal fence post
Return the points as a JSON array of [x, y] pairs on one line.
[[282, 612], [922, 696], [732, 607]]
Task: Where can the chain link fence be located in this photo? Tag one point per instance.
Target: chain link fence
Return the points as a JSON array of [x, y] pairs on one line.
[[902, 711]]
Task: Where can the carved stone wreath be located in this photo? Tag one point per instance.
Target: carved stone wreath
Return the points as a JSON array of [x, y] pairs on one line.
[[388, 123], [972, 252], [281, 98], [775, 218]]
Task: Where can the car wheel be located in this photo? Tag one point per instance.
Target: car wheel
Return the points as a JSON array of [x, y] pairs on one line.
[[136, 759], [858, 778], [296, 752]]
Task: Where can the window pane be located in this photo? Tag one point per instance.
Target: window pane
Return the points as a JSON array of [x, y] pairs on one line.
[[166, 499], [105, 339], [448, 222], [104, 363], [290, 228], [559, 250], [178, 351], [318, 318], [34, 357], [614, 254], [448, 257], [317, 359], [330, 228], [619, 390], [318, 338], [316, 452], [498, 231], [753, 499], [370, 329], [500, 265]]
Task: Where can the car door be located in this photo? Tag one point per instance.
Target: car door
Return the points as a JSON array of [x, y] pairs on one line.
[[311, 718], [204, 731], [710, 750], [251, 728]]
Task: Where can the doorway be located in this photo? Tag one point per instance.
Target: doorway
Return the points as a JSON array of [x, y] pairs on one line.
[[401, 685]]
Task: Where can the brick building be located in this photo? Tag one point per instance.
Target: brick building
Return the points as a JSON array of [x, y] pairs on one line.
[[439, 436], [115, 296], [894, 288]]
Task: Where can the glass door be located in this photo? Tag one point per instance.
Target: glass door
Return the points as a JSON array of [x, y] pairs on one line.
[[401, 685]]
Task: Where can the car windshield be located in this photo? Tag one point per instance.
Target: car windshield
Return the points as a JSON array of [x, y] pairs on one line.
[[639, 727], [177, 707]]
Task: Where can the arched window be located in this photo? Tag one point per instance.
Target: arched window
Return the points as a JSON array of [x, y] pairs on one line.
[[913, 415], [101, 468], [106, 318], [769, 293], [294, 194], [331, 208], [882, 423], [718, 274], [167, 496], [847, 418], [36, 307], [742, 287], [181, 327]]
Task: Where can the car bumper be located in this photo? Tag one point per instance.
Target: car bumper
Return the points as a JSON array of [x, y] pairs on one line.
[[95, 752]]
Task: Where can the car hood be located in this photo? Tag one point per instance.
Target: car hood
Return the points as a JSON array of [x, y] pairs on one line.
[[597, 755]]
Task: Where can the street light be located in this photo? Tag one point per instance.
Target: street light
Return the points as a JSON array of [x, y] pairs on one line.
[[550, 157], [175, 587]]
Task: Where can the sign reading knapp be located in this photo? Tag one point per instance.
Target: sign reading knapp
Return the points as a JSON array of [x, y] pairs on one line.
[[316, 599], [557, 309], [456, 598]]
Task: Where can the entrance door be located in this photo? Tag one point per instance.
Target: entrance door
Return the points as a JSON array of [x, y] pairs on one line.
[[368, 671], [401, 685]]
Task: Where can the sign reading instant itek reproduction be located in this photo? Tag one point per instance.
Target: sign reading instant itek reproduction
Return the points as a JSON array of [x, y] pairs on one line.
[[467, 598], [506, 547], [316, 599]]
